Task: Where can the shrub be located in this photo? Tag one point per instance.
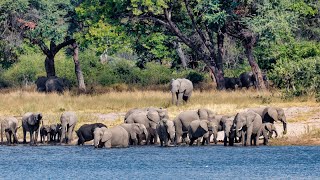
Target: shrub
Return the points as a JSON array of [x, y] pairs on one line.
[[195, 77]]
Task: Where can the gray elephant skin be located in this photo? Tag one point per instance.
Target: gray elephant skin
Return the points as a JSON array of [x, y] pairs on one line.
[[229, 131], [267, 131], [52, 84], [9, 125], [55, 132], [200, 129], [134, 131], [271, 115], [166, 132], [232, 83], [248, 127], [183, 120], [68, 122], [31, 123], [113, 137], [149, 117], [181, 89], [45, 133], [85, 132]]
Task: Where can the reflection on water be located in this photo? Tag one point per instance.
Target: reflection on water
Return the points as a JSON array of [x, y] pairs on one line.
[[213, 162]]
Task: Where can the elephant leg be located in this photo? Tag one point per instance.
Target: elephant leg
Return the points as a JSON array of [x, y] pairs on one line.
[[265, 137], [24, 136], [180, 96], [249, 134], [8, 138], [71, 132], [185, 138], [36, 137], [191, 141], [225, 139], [161, 143], [107, 144], [257, 140], [31, 137], [243, 136], [155, 137]]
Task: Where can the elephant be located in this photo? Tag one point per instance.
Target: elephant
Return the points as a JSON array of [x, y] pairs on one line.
[[272, 114], [232, 82], [149, 117], [217, 126], [114, 137], [247, 79], [248, 127], [200, 128], [55, 132], [68, 122], [31, 122], [45, 132], [56, 84], [135, 130], [181, 89], [85, 132], [41, 83], [229, 131], [166, 131], [182, 121], [9, 125], [267, 131]]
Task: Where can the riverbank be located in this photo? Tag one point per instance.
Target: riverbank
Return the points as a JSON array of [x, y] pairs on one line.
[[302, 113]]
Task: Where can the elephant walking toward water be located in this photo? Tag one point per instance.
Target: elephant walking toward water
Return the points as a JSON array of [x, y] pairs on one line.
[[114, 137], [9, 125], [31, 123], [68, 122], [181, 89]]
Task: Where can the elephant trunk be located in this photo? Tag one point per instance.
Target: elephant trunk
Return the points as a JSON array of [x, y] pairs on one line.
[[63, 132], [96, 142]]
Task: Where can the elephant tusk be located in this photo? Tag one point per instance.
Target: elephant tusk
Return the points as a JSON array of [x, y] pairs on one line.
[[240, 129]]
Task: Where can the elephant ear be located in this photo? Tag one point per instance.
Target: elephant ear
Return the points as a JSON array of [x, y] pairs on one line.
[[250, 117], [204, 125], [273, 113], [137, 129], [106, 136], [153, 116]]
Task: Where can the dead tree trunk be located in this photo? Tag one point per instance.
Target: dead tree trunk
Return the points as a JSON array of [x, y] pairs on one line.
[[181, 55], [77, 68]]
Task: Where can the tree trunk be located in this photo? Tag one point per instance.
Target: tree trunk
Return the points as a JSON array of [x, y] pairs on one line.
[[77, 68], [181, 55], [254, 66], [220, 41], [49, 65], [218, 77]]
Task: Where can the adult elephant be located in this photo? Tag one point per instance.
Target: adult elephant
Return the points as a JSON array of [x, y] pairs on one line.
[[56, 84], [247, 79], [31, 123], [271, 115], [85, 132], [68, 122], [229, 131], [114, 137], [248, 127], [41, 83], [181, 89], [232, 83], [200, 129], [149, 117], [166, 131], [9, 125], [183, 120], [135, 130]]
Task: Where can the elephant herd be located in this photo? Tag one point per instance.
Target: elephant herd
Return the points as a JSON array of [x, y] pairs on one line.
[[149, 125], [245, 79]]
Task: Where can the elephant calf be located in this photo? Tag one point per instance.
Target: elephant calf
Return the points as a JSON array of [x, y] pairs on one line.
[[198, 129], [55, 132], [85, 132], [267, 131], [45, 133], [229, 131], [135, 130], [9, 125], [166, 131], [114, 137]]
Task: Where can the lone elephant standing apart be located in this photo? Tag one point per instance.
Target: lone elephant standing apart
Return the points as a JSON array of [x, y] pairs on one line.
[[181, 89], [68, 122], [9, 125], [31, 122]]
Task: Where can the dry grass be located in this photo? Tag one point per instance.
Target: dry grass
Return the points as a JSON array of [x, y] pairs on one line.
[[309, 138], [18, 102]]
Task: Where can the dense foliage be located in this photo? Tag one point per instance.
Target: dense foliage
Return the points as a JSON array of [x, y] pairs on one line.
[[145, 42]]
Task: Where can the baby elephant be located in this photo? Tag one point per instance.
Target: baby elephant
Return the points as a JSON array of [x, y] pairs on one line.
[[198, 129], [267, 131], [166, 131], [134, 130], [45, 132], [85, 132], [55, 132], [114, 137]]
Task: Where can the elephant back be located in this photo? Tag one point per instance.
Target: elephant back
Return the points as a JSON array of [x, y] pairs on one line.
[[68, 117]]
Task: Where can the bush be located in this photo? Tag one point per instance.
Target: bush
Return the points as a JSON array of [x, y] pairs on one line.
[[195, 77]]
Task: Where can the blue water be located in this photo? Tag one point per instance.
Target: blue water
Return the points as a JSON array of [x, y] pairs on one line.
[[152, 162]]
